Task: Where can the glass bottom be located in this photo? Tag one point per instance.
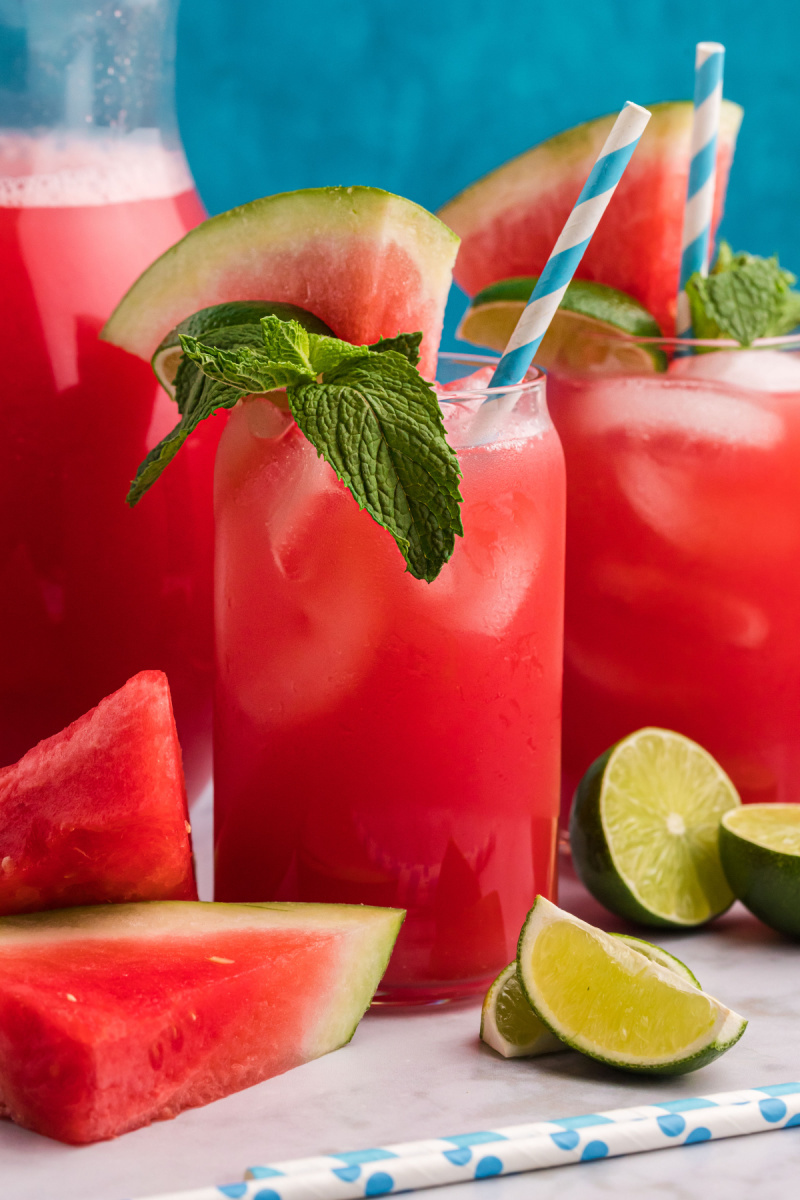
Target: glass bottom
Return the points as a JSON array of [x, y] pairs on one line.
[[429, 995]]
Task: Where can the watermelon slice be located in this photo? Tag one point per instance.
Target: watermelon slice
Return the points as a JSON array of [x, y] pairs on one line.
[[98, 812], [367, 263], [114, 1017], [509, 221]]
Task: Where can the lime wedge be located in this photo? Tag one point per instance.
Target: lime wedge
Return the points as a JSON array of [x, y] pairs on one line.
[[658, 955], [508, 1023], [759, 845], [167, 356], [510, 1026], [591, 331], [608, 1001], [644, 830]]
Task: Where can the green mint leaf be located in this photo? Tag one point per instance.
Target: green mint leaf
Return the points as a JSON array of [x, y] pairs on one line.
[[198, 396], [250, 370], [326, 353], [189, 374], [286, 342], [744, 298], [379, 425], [204, 398], [406, 344]]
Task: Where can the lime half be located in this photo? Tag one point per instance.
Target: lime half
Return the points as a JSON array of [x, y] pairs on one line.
[[759, 845], [509, 1024], [644, 830], [608, 1001], [591, 330], [167, 357]]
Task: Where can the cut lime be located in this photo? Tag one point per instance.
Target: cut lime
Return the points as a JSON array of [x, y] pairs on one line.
[[658, 955], [508, 220], [759, 845], [167, 357], [607, 1000], [590, 332], [644, 830], [509, 1024]]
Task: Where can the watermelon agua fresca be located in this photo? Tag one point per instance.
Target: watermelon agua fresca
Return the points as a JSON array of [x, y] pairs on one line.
[[367, 263], [117, 1016], [509, 221], [98, 812]]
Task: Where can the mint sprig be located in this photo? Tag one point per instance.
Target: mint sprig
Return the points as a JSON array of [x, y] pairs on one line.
[[745, 297], [379, 425], [366, 410]]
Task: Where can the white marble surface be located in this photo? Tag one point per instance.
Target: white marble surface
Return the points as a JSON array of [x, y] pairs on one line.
[[414, 1074]]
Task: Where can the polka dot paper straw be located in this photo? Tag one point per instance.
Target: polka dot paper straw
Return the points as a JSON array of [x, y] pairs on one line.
[[571, 245], [696, 241], [483, 1155]]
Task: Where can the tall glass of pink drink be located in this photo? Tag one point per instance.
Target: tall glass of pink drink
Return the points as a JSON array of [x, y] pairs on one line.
[[378, 739], [683, 559], [93, 186]]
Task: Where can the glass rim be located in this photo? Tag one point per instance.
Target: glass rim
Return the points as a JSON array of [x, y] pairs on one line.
[[538, 377]]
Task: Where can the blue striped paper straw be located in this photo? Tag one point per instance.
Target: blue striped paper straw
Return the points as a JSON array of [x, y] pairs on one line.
[[696, 241], [486, 1154], [571, 245]]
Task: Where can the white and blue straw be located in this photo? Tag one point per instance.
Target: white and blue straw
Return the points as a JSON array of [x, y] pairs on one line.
[[463, 1158], [572, 242], [696, 241]]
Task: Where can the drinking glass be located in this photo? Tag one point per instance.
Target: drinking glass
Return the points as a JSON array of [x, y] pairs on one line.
[[378, 739], [683, 552]]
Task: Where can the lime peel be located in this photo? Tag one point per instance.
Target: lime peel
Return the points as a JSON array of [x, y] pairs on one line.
[[510, 1026], [605, 999], [508, 1023], [759, 847], [644, 829], [590, 332]]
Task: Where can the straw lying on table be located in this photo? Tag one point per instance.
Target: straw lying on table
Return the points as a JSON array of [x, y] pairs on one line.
[[571, 245], [696, 240], [483, 1155]]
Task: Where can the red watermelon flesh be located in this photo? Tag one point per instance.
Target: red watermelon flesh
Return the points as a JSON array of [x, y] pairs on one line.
[[114, 1017], [98, 812], [367, 263], [509, 221]]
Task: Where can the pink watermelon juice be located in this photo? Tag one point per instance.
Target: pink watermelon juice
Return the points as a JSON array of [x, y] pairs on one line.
[[90, 592], [683, 575], [379, 739]]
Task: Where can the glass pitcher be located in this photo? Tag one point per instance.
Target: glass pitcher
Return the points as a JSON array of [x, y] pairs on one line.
[[93, 186]]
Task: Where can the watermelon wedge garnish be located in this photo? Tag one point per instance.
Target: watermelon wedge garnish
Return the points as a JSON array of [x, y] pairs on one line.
[[509, 220], [98, 813], [117, 1016], [367, 263]]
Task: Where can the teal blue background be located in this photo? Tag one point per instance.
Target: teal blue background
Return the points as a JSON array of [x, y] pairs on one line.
[[424, 96]]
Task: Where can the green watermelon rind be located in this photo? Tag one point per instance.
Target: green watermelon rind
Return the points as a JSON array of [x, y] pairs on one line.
[[531, 174], [191, 274], [358, 975]]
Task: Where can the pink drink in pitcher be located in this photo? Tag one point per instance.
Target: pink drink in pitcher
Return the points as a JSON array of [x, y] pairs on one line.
[[91, 592]]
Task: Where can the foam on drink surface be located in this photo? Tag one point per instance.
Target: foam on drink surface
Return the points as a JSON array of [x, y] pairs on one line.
[[63, 170]]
